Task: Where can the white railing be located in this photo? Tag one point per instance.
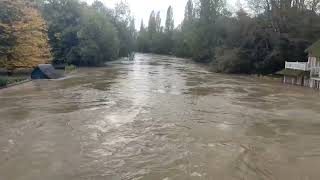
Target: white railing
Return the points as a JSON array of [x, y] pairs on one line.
[[297, 65]]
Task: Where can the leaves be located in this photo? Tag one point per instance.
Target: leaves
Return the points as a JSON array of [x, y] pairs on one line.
[[24, 32], [89, 35]]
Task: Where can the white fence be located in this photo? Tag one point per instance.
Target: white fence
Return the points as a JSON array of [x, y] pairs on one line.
[[297, 65]]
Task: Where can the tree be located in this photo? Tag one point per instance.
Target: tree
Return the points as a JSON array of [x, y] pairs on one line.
[[239, 43], [133, 35], [142, 28], [152, 25], [63, 18], [142, 39], [189, 14], [158, 23], [122, 19], [98, 40], [169, 20], [8, 15], [89, 35], [152, 30], [24, 31]]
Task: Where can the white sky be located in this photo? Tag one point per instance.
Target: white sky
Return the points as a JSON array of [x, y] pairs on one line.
[[141, 9]]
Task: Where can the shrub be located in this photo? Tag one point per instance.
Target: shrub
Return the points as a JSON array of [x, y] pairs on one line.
[[6, 80], [70, 68], [3, 81], [232, 61]]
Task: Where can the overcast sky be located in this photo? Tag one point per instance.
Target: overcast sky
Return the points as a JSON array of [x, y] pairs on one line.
[[141, 9]]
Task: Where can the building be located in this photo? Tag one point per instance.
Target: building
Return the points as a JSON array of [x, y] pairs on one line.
[[45, 71], [314, 64], [304, 73]]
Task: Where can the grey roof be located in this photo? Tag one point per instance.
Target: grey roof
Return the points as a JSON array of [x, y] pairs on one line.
[[314, 49], [293, 72], [49, 71]]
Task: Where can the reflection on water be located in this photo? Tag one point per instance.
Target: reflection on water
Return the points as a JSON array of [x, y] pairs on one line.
[[161, 118]]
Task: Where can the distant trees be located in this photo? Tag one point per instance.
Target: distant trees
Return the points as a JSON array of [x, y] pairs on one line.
[[185, 34], [89, 35], [156, 38], [238, 42], [189, 13], [169, 30], [143, 39], [125, 26], [169, 20]]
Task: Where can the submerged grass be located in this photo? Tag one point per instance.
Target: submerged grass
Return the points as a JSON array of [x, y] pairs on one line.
[[70, 68], [7, 80]]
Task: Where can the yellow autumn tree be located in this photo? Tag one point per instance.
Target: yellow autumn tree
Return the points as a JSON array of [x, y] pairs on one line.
[[24, 26]]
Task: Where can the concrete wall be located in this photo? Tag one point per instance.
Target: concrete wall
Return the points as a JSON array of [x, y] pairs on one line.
[[302, 81]]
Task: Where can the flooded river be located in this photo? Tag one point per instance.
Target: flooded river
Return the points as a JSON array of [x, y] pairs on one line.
[[159, 118]]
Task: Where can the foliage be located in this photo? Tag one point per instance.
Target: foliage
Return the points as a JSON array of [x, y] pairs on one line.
[[88, 35], [97, 41], [239, 42], [70, 68], [6, 80], [232, 61], [155, 38], [3, 81], [23, 37], [125, 26]]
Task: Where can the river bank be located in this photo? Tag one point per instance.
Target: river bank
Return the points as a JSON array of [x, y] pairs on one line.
[[8, 81]]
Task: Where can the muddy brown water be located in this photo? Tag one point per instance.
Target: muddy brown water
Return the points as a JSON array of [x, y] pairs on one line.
[[158, 118]]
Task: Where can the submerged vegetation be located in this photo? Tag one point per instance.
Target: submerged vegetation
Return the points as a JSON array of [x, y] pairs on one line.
[[6, 80], [70, 68]]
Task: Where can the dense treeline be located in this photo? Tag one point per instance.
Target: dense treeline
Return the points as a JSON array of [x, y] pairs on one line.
[[156, 38], [78, 33], [259, 42], [88, 35]]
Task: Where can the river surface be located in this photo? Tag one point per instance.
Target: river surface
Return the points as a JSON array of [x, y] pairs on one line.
[[159, 118]]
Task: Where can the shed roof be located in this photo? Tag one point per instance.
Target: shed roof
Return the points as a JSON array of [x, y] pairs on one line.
[[49, 71], [293, 72], [314, 49]]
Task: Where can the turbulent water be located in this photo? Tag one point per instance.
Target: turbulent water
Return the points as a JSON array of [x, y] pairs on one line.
[[158, 118]]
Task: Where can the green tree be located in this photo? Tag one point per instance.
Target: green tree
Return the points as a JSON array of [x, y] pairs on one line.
[[169, 20], [189, 14], [142, 39], [23, 35], [98, 40], [122, 20], [152, 25], [158, 23], [89, 35]]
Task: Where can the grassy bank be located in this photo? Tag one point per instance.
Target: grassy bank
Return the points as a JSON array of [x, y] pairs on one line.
[[9, 80]]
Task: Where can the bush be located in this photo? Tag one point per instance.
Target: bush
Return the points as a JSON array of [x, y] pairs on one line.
[[3, 81], [70, 68], [232, 61], [6, 80]]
